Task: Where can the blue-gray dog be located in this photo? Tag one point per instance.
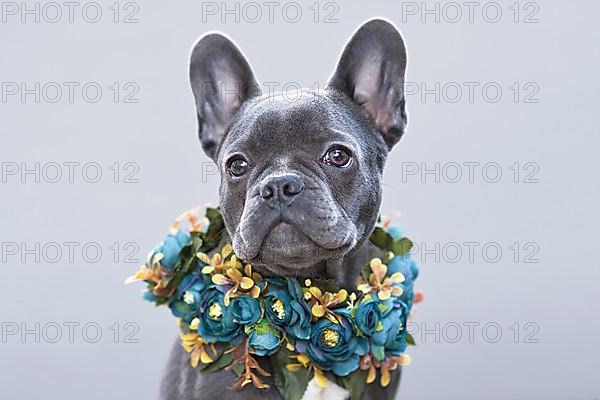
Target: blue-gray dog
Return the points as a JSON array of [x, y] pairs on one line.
[[301, 180]]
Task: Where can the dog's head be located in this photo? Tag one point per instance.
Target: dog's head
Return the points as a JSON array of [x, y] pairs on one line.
[[301, 180]]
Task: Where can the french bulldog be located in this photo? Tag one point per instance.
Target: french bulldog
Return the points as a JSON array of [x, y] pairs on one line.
[[301, 180]]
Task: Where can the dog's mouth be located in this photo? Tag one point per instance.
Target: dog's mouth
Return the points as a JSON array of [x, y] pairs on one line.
[[287, 248], [286, 244]]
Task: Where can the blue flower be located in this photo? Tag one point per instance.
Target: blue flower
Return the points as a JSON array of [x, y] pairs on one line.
[[171, 247], [369, 319], [149, 296], [368, 316], [408, 267], [246, 310], [394, 326], [217, 321], [391, 337], [384, 323], [285, 308], [186, 302], [336, 346], [404, 264], [263, 339]]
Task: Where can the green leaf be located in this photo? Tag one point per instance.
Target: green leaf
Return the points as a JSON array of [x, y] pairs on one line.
[[291, 385], [355, 383], [197, 242], [219, 363], [382, 239], [402, 246], [216, 228], [187, 261], [162, 300], [378, 352], [263, 327], [410, 340], [213, 214], [383, 307]]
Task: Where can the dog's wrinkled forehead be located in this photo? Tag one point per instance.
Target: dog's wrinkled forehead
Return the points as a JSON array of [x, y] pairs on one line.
[[304, 125]]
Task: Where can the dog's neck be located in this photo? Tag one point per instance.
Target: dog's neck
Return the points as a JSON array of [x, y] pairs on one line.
[[345, 270]]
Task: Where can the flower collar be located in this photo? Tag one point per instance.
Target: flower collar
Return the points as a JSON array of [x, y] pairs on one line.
[[230, 315]]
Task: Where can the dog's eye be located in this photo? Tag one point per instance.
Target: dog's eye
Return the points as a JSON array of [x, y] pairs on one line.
[[237, 166], [338, 156]]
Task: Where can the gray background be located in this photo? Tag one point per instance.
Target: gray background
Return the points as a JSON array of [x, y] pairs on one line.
[[556, 216]]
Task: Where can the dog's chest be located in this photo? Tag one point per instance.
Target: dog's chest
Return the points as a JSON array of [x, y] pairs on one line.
[[331, 392]]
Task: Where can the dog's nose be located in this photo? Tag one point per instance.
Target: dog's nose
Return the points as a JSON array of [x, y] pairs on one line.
[[281, 189]]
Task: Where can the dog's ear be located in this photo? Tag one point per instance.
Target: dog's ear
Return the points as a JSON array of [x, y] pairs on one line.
[[371, 72], [222, 81]]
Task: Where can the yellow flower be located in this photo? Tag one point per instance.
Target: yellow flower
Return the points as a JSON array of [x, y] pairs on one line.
[[143, 274], [322, 303], [195, 222], [241, 283], [217, 262], [303, 361], [226, 269], [151, 271], [380, 283], [320, 378], [198, 349]]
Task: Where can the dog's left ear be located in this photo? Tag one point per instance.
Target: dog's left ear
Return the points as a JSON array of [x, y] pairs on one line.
[[371, 72]]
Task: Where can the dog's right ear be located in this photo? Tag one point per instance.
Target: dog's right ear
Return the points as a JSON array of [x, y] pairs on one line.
[[221, 81]]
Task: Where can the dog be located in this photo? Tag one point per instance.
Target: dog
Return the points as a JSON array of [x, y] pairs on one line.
[[301, 180]]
